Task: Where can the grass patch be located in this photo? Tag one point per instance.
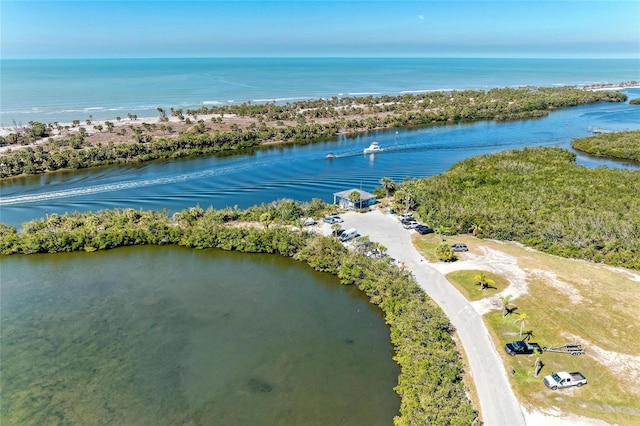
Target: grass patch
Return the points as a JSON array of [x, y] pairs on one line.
[[466, 281], [426, 245], [571, 300], [605, 396]]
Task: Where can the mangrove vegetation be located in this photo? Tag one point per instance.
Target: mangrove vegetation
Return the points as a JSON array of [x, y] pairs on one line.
[[539, 197], [618, 145]]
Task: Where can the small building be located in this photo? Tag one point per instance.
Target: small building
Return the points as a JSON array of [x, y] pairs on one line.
[[344, 199]]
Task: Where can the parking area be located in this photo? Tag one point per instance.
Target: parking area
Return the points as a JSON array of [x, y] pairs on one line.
[[498, 403]]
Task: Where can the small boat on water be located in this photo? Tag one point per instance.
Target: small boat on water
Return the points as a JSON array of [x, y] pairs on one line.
[[373, 148], [330, 156]]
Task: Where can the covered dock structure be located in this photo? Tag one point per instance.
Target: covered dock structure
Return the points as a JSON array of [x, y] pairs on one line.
[[347, 201]]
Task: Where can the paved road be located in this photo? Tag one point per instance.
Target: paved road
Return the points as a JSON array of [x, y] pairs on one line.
[[498, 403]]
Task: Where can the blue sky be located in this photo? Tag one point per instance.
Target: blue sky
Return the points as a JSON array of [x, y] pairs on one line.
[[109, 29]]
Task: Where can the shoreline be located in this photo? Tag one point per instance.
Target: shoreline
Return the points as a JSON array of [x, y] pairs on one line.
[[7, 130]]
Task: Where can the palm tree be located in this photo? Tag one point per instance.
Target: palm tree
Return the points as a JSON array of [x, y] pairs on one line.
[[483, 281], [537, 366], [522, 319], [354, 197], [379, 249], [388, 184], [506, 308], [476, 229], [408, 201]]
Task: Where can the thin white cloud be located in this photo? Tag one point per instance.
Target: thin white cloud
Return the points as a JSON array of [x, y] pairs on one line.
[[421, 17]]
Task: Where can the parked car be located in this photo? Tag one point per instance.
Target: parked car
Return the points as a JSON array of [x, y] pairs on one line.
[[424, 229], [409, 224], [564, 379], [521, 347], [460, 247], [348, 234], [308, 221], [332, 219], [405, 216]]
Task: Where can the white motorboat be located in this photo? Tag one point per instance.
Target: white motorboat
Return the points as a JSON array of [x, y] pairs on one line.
[[373, 148]]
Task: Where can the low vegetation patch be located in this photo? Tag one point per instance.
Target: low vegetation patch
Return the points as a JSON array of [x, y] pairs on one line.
[[476, 284], [618, 145]]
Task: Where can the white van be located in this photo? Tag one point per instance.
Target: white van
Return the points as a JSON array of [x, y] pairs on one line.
[[348, 234]]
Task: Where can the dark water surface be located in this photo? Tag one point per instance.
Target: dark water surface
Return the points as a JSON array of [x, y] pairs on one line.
[[301, 171], [168, 335]]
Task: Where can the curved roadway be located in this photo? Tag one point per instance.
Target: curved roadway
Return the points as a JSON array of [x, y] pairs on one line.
[[498, 403]]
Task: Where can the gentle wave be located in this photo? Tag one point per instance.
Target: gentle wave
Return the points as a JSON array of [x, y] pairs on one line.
[[425, 91], [295, 98]]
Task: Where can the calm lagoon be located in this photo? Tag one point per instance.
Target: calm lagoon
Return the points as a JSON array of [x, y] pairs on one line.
[[169, 335]]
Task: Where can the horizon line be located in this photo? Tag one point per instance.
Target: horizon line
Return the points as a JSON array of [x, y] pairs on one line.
[[318, 57]]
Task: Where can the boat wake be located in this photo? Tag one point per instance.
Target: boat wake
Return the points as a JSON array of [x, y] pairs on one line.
[[120, 186]]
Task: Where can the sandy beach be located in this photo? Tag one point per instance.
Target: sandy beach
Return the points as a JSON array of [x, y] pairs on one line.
[[180, 125], [97, 136]]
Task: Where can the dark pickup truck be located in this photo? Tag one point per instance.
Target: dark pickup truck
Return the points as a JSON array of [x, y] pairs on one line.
[[521, 347]]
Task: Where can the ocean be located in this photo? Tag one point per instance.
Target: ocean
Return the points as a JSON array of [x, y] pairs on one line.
[[63, 90]]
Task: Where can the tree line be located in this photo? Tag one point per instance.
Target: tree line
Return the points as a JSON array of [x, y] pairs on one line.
[[539, 197], [430, 384], [344, 116], [618, 145]]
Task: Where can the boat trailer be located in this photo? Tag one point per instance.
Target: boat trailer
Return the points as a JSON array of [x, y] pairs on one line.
[[569, 348]]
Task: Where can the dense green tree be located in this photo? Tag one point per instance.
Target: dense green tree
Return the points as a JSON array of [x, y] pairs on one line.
[[541, 198]]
